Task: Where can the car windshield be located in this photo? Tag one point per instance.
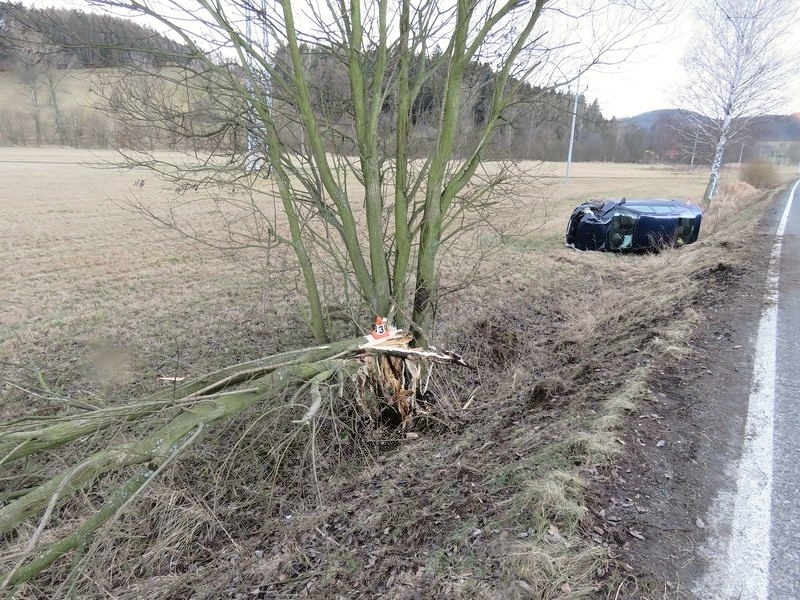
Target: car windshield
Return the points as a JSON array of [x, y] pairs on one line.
[[687, 231]]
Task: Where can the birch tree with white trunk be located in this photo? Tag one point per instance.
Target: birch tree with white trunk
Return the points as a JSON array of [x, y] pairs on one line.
[[737, 70]]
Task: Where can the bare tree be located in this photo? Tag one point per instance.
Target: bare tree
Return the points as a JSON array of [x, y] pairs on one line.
[[31, 75], [27, 49], [736, 71], [375, 178], [39, 64], [54, 79]]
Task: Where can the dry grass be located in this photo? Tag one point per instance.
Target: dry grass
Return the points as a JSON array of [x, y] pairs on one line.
[[489, 502], [83, 280], [762, 175]]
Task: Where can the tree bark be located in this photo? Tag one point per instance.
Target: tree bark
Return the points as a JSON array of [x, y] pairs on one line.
[[716, 164]]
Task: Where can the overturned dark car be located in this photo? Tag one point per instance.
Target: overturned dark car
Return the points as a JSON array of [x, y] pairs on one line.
[[633, 225]]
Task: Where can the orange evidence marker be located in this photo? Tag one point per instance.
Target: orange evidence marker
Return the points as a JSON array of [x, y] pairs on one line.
[[380, 328]]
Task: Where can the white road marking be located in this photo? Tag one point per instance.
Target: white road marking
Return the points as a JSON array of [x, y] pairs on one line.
[[746, 572]]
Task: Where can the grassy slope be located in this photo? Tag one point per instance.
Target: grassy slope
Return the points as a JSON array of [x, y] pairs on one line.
[[488, 501], [75, 88], [75, 95]]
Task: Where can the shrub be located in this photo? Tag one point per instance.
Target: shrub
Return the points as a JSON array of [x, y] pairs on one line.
[[760, 175]]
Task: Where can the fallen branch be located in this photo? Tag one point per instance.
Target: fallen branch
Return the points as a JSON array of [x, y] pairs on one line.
[[386, 370], [27, 437]]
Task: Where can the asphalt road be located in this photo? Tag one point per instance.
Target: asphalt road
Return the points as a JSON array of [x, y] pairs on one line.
[[754, 550], [784, 566]]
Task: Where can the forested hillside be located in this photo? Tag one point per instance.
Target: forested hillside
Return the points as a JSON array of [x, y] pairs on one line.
[[55, 66], [65, 75], [74, 39], [72, 78]]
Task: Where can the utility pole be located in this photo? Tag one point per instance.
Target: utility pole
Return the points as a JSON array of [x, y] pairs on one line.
[[255, 25], [694, 149], [572, 128]]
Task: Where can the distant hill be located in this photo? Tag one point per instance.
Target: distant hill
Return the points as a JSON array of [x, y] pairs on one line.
[[76, 39], [777, 128], [652, 118], [57, 65], [764, 128], [665, 136]]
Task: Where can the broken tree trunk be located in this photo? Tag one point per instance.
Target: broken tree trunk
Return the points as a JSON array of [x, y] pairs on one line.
[[386, 373]]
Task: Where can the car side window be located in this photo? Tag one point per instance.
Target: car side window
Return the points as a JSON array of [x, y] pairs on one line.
[[620, 231]]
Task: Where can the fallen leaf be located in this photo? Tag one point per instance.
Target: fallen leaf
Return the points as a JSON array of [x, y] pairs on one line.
[[637, 534]]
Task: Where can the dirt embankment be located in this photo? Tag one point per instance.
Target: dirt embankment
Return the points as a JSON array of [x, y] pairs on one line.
[[681, 441]]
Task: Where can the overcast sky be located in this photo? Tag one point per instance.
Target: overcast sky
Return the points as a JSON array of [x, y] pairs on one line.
[[646, 81], [649, 79]]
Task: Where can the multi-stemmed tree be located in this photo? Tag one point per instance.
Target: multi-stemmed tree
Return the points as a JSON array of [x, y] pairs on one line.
[[376, 164], [365, 183]]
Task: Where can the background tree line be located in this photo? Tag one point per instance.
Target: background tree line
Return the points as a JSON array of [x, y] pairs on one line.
[[71, 78], [76, 39], [65, 79]]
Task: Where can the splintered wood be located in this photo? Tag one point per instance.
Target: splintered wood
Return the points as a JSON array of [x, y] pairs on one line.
[[389, 381]]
